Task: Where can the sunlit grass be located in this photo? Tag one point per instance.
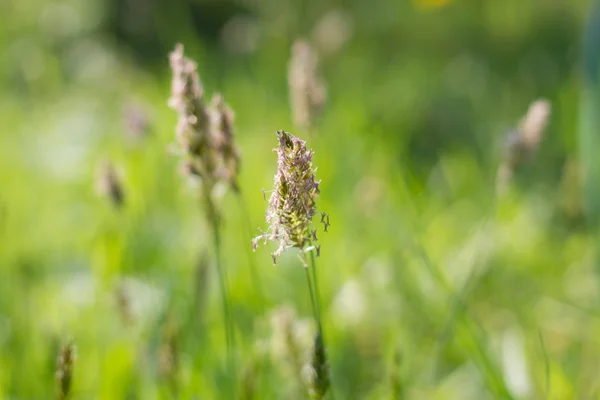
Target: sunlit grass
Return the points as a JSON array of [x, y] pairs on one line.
[[431, 285]]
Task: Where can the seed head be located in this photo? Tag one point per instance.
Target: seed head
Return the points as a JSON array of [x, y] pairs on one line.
[[534, 123], [137, 122], [193, 125], [221, 117], [204, 133], [109, 184], [64, 369], [319, 383], [523, 141], [292, 203], [123, 303], [332, 31], [169, 353], [307, 92]]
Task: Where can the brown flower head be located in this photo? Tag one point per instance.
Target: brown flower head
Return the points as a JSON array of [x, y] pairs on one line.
[[523, 141], [193, 126], [137, 122], [64, 369], [221, 117], [307, 92], [319, 368], [204, 133], [292, 203], [169, 352], [332, 31], [109, 184]]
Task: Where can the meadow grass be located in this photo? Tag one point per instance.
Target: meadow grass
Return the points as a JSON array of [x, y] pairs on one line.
[[432, 282]]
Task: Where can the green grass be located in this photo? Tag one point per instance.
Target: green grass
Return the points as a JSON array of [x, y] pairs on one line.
[[430, 285]]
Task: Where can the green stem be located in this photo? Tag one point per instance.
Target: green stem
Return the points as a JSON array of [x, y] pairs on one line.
[[224, 292], [313, 304], [314, 293], [223, 281], [313, 265]]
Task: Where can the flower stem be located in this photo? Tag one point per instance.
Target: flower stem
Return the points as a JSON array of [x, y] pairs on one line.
[[223, 281], [313, 266], [313, 303], [320, 362]]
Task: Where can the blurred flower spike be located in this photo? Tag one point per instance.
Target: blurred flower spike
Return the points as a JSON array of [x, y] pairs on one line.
[[524, 141], [64, 369], [109, 184], [307, 91], [204, 133]]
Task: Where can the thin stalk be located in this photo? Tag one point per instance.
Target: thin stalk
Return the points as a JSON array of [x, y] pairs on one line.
[[314, 292], [223, 281], [313, 304], [224, 291], [313, 266], [252, 265]]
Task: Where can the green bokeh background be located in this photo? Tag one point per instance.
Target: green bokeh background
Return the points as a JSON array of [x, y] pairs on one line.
[[429, 282]]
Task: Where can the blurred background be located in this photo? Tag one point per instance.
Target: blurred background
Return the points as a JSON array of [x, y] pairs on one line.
[[433, 284]]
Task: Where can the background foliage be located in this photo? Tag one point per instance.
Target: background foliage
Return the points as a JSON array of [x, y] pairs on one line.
[[432, 286]]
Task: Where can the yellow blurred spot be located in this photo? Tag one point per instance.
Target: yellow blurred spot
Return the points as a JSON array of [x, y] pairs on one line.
[[431, 4]]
